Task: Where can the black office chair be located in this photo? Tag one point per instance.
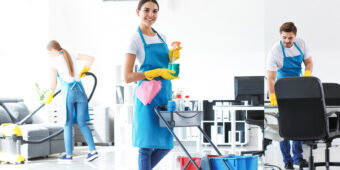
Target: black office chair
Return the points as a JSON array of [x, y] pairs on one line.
[[303, 116]]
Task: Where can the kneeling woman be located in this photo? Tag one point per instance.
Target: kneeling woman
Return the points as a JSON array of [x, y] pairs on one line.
[[75, 105]]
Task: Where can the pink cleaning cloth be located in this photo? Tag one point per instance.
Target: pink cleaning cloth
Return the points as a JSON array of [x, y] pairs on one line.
[[148, 90]]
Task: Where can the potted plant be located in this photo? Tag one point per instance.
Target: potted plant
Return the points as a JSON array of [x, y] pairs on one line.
[[41, 92]]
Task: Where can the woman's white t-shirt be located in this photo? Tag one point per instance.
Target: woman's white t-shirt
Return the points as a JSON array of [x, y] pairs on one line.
[[275, 55], [60, 65], [136, 45]]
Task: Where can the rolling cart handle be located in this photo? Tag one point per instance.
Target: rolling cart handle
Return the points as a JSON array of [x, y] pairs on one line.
[[164, 107]]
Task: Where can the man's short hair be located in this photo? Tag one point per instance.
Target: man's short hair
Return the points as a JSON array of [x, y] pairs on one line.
[[288, 27]]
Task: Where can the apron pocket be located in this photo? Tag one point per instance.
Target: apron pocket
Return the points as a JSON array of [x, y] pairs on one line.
[[148, 90]]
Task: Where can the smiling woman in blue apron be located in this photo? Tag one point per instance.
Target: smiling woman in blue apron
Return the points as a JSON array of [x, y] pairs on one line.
[[285, 60], [154, 86], [74, 99]]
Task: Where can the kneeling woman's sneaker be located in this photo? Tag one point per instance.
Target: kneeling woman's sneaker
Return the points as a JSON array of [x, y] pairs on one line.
[[65, 158], [91, 157]]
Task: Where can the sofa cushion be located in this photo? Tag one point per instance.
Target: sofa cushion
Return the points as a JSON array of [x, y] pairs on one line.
[[53, 128], [33, 131], [19, 111], [4, 117]]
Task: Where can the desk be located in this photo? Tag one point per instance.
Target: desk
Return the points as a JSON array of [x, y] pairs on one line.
[[329, 109], [233, 109]]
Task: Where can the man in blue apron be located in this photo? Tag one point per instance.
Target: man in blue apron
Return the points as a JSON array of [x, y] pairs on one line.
[[285, 60]]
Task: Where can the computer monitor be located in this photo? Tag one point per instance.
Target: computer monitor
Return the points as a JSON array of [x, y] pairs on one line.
[[250, 88]]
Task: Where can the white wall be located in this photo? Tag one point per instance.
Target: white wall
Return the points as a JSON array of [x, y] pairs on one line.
[[96, 28], [318, 23], [220, 39], [23, 58]]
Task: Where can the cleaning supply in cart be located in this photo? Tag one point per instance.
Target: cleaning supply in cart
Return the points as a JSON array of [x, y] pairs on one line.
[[171, 105], [179, 102], [187, 103], [174, 55], [185, 162]]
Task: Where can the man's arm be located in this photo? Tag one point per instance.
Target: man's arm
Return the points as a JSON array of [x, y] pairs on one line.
[[308, 64], [271, 81]]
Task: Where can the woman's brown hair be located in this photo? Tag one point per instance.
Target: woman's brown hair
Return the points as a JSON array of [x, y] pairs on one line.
[[142, 2], [56, 46]]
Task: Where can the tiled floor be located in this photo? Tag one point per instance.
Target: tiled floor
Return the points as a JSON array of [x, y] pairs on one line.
[[273, 155], [111, 158], [125, 158]]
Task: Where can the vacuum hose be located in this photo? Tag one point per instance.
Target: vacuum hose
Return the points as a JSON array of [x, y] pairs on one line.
[[41, 106]]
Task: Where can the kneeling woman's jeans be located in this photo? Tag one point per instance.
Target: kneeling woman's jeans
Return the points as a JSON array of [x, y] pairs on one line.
[[77, 100], [148, 157]]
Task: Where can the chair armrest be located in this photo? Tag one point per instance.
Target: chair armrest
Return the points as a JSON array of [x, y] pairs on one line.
[[272, 114], [332, 122], [328, 114], [276, 116]]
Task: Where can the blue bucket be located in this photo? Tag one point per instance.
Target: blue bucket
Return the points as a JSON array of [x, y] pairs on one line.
[[235, 162]]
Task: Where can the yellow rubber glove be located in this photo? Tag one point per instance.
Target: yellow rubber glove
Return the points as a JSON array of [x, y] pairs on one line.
[[49, 98], [307, 73], [163, 72], [272, 98], [85, 69]]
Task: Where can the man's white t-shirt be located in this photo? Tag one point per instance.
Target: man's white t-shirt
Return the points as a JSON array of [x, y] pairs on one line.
[[136, 45], [275, 55], [60, 65]]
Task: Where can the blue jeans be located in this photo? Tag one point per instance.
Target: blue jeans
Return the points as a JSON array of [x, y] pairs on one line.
[[148, 158], [285, 150], [77, 100]]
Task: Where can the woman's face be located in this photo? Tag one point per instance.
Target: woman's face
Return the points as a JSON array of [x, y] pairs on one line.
[[53, 52], [148, 13]]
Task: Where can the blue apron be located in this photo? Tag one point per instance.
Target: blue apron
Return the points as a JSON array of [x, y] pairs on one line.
[[146, 132], [291, 68], [65, 86], [291, 65]]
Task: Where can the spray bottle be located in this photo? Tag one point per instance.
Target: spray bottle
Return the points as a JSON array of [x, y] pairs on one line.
[[174, 55]]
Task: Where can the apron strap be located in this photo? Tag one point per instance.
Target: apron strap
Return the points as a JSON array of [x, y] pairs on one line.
[[141, 36], [76, 83], [298, 48], [159, 36], [283, 50]]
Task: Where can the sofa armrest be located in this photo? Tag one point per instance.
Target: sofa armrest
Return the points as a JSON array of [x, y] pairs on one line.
[[11, 100]]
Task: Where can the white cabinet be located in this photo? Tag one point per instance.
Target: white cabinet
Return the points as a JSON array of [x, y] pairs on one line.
[[123, 109], [123, 114], [101, 126]]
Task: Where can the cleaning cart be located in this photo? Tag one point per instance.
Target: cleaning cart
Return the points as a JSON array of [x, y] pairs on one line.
[[171, 119]]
